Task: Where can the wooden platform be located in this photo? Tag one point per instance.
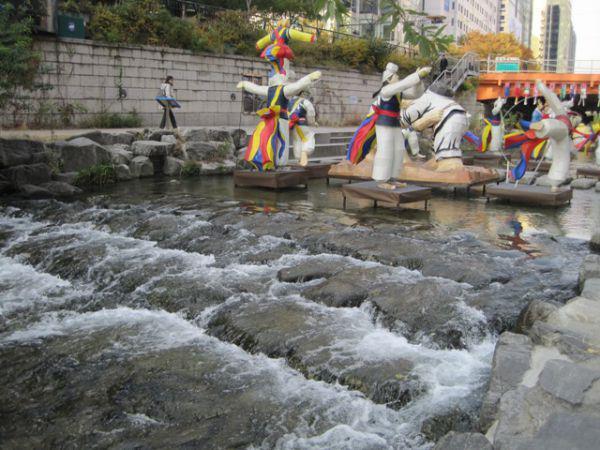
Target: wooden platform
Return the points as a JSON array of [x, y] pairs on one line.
[[468, 160], [347, 178], [316, 170], [274, 179], [544, 166], [456, 186], [489, 160], [530, 195], [589, 172], [370, 190]]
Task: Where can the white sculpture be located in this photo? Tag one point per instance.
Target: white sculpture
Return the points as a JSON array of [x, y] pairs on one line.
[[497, 126], [557, 131], [301, 118]]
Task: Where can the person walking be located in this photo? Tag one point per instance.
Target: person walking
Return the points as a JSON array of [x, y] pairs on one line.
[[166, 91], [443, 63]]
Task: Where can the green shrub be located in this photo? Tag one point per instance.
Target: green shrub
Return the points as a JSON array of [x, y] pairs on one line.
[[96, 175], [190, 169], [230, 32], [112, 120]]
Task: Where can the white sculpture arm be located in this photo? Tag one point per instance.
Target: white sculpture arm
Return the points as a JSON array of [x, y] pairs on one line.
[[415, 111], [256, 89], [310, 112], [295, 88], [403, 85], [552, 99]]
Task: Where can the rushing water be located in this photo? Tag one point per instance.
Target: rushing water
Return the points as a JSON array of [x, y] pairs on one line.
[[151, 314]]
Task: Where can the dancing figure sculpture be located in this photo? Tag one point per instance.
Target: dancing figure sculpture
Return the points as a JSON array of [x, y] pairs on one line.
[[492, 136], [301, 116]]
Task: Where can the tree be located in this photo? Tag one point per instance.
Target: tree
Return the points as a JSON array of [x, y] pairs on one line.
[[490, 44], [334, 10], [429, 38], [18, 60]]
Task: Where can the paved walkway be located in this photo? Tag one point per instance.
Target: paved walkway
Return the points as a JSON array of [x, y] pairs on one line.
[[62, 134]]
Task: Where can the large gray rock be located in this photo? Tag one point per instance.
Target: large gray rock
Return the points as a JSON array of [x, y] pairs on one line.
[[567, 430], [194, 134], [597, 189], [123, 172], [67, 177], [309, 270], [141, 166], [151, 148], [591, 289], [172, 166], [217, 168], [567, 381], [511, 360], [583, 183], [169, 139], [60, 189], [590, 268], [157, 135], [15, 152], [107, 138], [209, 151], [463, 441], [536, 310], [34, 192], [120, 153], [81, 153], [27, 174]]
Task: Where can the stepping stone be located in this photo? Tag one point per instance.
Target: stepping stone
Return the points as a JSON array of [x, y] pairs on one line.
[[275, 179], [370, 190]]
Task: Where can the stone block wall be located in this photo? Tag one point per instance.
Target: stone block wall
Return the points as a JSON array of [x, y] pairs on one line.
[[90, 74]]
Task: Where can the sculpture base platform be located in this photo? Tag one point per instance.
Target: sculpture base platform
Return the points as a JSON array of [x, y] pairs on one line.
[[315, 169], [543, 168], [468, 160], [458, 177], [345, 170], [370, 190], [530, 195], [275, 179], [490, 159], [589, 172]]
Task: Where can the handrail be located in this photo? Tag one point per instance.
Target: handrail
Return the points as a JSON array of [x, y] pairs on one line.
[[466, 66], [545, 65]]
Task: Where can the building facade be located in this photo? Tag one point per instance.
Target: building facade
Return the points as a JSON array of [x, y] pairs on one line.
[[515, 17], [558, 42], [463, 16]]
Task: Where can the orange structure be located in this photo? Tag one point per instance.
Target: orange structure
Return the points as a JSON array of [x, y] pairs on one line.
[[492, 84]]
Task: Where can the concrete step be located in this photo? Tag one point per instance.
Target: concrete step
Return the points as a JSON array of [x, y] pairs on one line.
[[340, 139], [323, 150]]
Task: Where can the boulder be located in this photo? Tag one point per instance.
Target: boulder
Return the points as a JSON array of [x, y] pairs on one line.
[[141, 166], [81, 153], [534, 311], [107, 137], [151, 148], [338, 293], [5, 187], [434, 428], [511, 360], [156, 135], [120, 153], [195, 134], [591, 289], [583, 183], [595, 242], [309, 270], [240, 138], [27, 174], [169, 138], [34, 192], [567, 381], [172, 166], [209, 151], [61, 189], [67, 177], [217, 168], [590, 268], [123, 172], [15, 152], [597, 186], [463, 441]]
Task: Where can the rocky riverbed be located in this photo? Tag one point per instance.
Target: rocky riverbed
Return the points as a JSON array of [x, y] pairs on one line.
[[170, 313]]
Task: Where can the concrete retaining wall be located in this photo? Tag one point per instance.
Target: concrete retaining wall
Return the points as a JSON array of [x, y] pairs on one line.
[[89, 74]]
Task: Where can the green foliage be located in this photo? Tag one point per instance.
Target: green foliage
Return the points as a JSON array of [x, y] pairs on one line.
[[230, 32], [18, 60], [96, 175], [428, 38], [112, 120], [190, 169]]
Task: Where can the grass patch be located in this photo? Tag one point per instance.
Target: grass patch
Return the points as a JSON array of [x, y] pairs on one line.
[[97, 175], [190, 169], [112, 120]]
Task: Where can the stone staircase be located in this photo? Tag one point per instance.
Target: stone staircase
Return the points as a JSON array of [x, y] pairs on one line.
[[454, 76]]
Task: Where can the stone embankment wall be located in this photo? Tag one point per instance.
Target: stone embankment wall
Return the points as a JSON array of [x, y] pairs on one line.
[[91, 74], [86, 77]]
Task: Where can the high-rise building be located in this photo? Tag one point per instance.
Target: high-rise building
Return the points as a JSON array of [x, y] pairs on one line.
[[515, 17], [558, 37], [463, 16]]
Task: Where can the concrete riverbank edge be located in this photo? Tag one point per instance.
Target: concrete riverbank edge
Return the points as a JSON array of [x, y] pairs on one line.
[[544, 388]]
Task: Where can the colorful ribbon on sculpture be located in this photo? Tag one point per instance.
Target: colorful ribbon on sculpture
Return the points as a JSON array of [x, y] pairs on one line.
[[587, 137], [265, 139], [361, 143], [530, 145], [486, 134], [296, 123]]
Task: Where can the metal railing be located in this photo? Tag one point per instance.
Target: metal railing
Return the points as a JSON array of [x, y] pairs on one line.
[[455, 76], [587, 66]]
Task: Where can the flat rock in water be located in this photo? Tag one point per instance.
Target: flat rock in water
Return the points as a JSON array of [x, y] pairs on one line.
[[120, 153], [309, 270], [463, 441], [589, 269], [583, 183], [591, 289], [151, 148], [123, 172], [595, 242], [34, 192], [61, 189], [567, 381], [172, 166], [27, 174]]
